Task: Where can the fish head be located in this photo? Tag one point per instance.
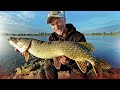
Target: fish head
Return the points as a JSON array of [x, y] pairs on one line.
[[21, 44]]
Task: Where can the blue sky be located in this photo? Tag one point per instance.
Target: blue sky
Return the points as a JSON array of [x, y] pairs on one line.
[[35, 21]]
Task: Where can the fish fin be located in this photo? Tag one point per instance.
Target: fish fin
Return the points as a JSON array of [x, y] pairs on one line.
[[94, 70], [102, 64], [87, 45], [26, 55], [82, 66]]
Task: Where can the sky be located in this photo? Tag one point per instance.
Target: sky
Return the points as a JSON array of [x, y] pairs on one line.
[[35, 21]]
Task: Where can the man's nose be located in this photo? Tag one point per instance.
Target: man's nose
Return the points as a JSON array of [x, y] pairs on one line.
[[56, 27]]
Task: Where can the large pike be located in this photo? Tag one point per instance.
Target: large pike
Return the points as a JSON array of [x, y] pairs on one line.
[[81, 52]]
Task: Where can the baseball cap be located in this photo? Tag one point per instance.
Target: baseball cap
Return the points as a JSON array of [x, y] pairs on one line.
[[54, 14]]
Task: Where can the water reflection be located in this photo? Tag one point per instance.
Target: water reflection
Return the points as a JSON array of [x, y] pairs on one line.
[[107, 47]]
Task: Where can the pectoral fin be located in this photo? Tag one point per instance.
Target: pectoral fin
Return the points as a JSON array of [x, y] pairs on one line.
[[26, 55], [82, 65]]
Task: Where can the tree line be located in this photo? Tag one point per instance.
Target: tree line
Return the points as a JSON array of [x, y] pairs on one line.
[[104, 34], [47, 34], [23, 34]]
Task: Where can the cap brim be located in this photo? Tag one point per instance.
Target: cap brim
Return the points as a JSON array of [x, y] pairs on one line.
[[49, 18]]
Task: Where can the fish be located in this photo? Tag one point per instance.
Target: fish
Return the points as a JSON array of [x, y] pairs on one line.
[[80, 52]]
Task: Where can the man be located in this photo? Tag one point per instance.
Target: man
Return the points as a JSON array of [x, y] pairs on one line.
[[62, 32]]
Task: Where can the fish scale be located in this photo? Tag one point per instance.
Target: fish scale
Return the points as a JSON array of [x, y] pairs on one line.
[[81, 52]]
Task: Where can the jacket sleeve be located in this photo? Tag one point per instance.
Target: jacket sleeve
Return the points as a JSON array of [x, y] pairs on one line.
[[82, 38], [79, 37]]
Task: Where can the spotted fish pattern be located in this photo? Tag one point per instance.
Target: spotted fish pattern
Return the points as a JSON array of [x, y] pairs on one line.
[[81, 52]]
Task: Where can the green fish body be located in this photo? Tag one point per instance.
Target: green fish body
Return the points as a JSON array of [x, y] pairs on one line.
[[81, 52]]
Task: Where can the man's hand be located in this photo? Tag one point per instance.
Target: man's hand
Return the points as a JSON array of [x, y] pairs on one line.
[[64, 59]]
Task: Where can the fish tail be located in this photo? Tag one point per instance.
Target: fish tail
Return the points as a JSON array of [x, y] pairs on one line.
[[99, 66], [102, 64]]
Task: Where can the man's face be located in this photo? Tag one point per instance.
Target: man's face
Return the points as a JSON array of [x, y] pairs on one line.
[[58, 25]]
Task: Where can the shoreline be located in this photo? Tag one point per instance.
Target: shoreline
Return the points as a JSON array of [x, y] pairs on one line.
[[113, 73]]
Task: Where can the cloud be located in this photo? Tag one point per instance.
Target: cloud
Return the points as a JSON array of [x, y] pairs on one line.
[[21, 19], [16, 17], [27, 14]]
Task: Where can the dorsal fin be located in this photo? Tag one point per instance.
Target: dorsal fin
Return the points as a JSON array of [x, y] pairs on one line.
[[87, 45]]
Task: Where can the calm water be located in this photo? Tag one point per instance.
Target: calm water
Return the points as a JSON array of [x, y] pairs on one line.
[[107, 47]]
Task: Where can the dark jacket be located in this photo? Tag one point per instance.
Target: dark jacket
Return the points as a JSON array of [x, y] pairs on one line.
[[72, 35]]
